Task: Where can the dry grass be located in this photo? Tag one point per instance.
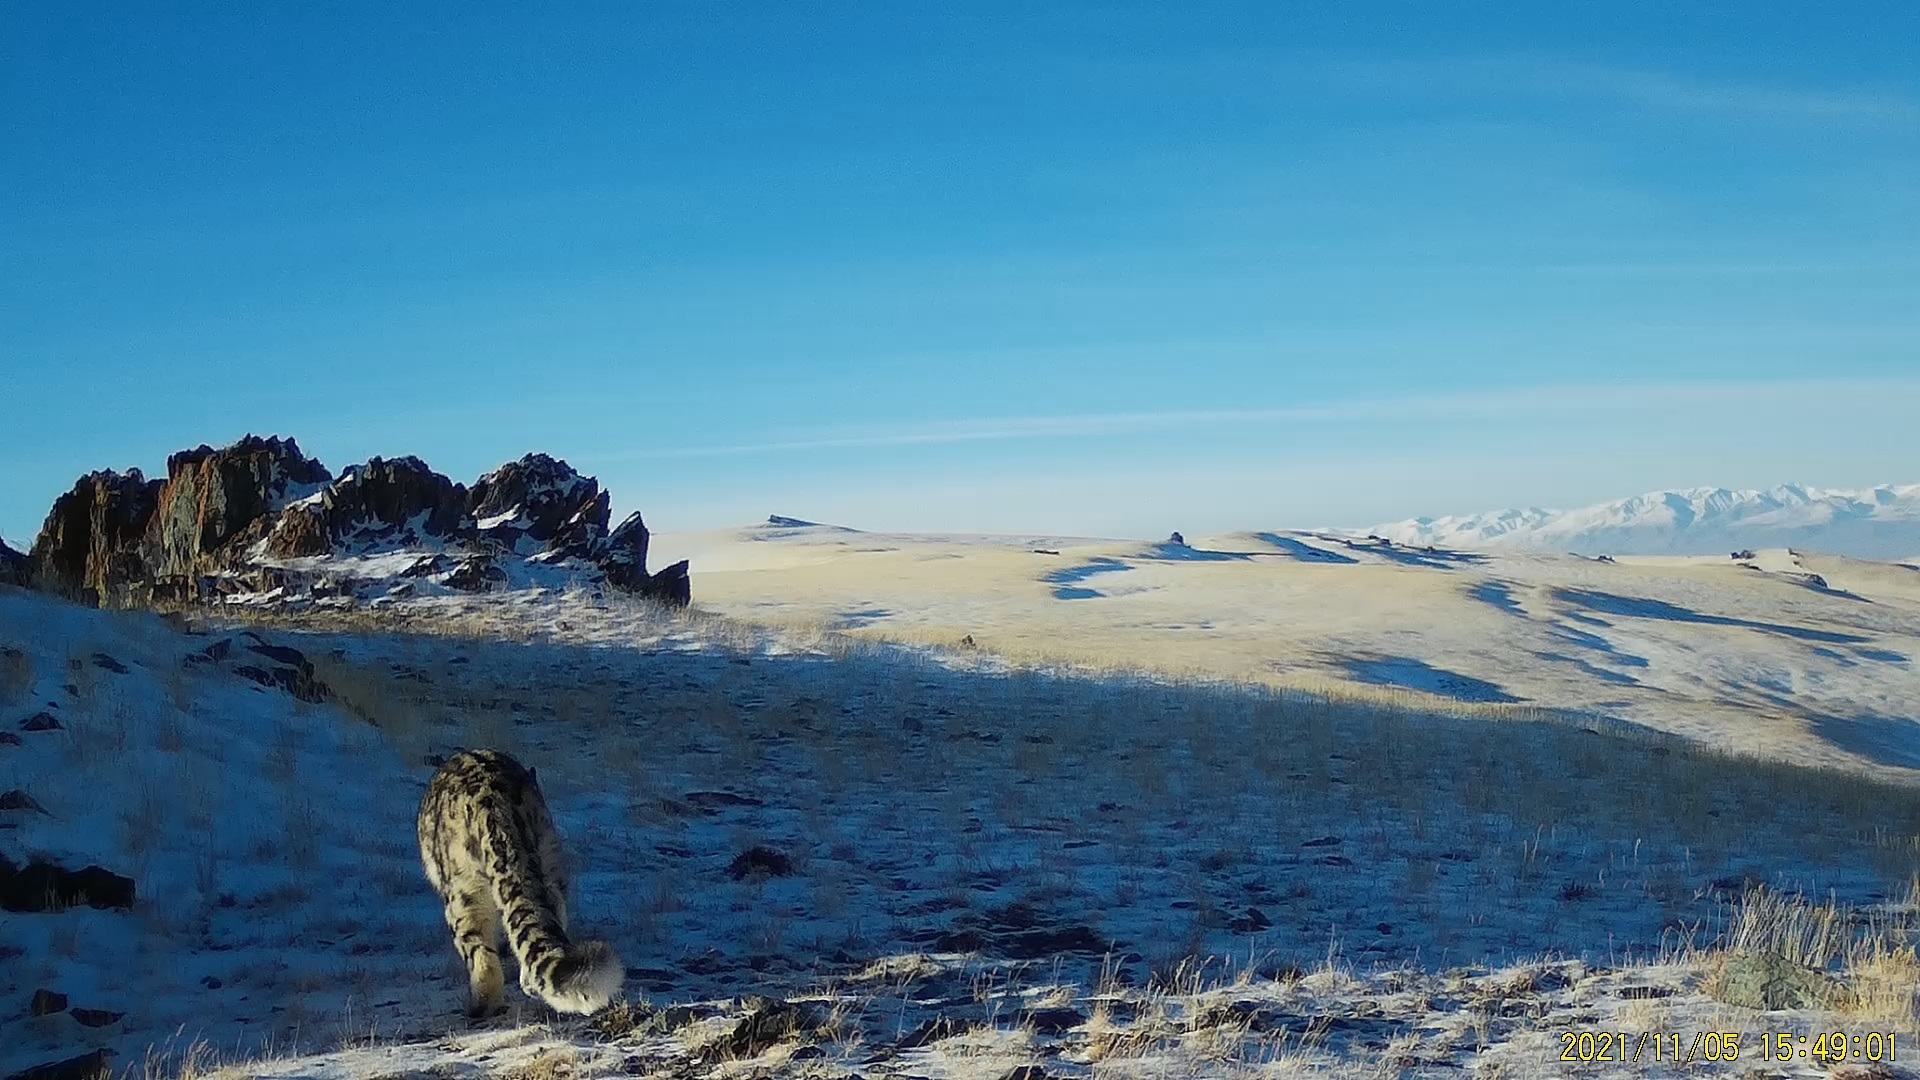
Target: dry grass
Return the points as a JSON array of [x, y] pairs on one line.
[[1871, 953], [561, 1064]]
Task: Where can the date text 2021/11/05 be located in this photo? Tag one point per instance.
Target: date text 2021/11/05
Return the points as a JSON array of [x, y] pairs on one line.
[[1631, 1048]]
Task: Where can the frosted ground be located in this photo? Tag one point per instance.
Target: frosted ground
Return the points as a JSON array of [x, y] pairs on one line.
[[1281, 819], [1804, 657]]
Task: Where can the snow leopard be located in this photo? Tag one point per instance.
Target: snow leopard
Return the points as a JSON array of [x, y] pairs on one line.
[[490, 850]]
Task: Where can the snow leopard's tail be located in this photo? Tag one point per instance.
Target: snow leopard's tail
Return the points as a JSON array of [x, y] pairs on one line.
[[571, 977]]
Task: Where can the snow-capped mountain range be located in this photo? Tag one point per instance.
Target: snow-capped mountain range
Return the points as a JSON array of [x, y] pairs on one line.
[[1870, 523]]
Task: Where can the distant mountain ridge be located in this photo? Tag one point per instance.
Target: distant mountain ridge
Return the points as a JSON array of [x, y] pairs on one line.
[[1871, 523]]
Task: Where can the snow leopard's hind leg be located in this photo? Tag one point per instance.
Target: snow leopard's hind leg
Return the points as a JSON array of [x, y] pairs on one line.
[[477, 933]]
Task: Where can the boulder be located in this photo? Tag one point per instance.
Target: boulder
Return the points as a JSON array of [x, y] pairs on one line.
[[215, 501], [89, 547]]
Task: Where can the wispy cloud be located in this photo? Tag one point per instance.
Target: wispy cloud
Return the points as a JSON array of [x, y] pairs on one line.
[[1544, 401], [1539, 77]]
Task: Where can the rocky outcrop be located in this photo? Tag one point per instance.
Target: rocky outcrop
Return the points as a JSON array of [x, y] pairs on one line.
[[235, 520], [395, 501], [89, 547], [525, 505], [213, 497]]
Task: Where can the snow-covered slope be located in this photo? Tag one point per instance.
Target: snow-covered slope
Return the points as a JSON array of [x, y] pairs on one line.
[[1870, 523]]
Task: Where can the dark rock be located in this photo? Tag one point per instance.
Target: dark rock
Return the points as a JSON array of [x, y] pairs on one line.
[[89, 547], [672, 586], [281, 654], [306, 688], [215, 502], [103, 661], [20, 800], [1323, 841], [1177, 540], [95, 1017], [282, 667], [1252, 922], [398, 500], [43, 886], [8, 738], [542, 498], [1017, 932], [476, 573], [1051, 1021], [767, 1025], [1025, 1072], [933, 1031], [624, 554], [300, 532], [46, 1003], [89, 1066], [40, 721], [211, 982], [759, 862], [200, 534]]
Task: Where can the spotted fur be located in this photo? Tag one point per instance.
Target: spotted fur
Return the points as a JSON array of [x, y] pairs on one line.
[[491, 852]]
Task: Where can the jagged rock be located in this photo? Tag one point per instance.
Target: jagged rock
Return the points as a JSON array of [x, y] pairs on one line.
[[94, 1017], [672, 586], [46, 1003], [537, 498], [300, 532], [213, 498], [89, 1066], [398, 500], [223, 520], [624, 555], [89, 547], [41, 721], [42, 886], [476, 573], [1768, 980], [290, 671]]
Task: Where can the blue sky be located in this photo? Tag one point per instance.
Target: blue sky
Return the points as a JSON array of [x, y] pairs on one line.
[[1114, 268]]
